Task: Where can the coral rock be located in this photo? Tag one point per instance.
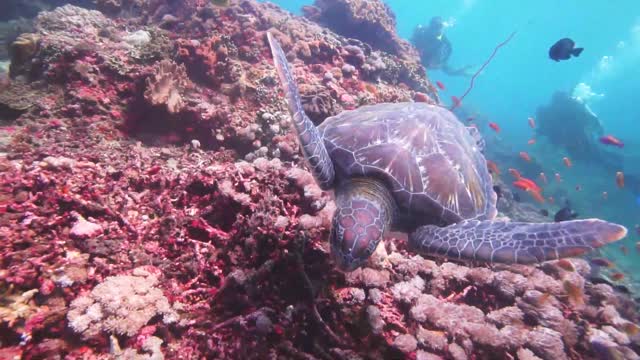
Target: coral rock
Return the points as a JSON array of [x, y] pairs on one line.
[[375, 319], [509, 284], [547, 343], [432, 340], [443, 315], [84, 229], [368, 277], [514, 336], [70, 16], [526, 354], [371, 21], [485, 335], [405, 343], [167, 85], [408, 291], [423, 355], [509, 315], [457, 352], [121, 304]]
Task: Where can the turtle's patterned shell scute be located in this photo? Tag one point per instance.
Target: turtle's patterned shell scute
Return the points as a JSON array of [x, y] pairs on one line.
[[431, 163]]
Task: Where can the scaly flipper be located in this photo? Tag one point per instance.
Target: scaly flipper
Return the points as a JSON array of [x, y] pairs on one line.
[[514, 242], [310, 140]]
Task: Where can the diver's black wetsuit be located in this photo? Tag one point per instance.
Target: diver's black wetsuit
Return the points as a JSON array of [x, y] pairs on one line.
[[435, 49]]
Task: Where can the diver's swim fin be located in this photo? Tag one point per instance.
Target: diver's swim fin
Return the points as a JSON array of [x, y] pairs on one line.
[[576, 52]]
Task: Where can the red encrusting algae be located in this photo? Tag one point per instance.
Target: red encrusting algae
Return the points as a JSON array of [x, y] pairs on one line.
[[149, 159]]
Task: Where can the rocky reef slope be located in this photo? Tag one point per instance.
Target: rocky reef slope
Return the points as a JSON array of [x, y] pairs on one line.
[[154, 205]]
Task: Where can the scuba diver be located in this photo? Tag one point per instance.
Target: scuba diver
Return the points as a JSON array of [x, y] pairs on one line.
[[435, 48]]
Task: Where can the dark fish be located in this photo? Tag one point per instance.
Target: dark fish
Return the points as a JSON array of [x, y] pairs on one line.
[[544, 212], [516, 197], [498, 191], [623, 289], [563, 49], [603, 262], [606, 351], [565, 214]]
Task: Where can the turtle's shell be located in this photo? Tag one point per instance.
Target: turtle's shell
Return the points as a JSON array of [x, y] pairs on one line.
[[429, 160]]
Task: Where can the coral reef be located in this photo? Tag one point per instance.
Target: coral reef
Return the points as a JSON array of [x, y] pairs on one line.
[[154, 205], [370, 21], [165, 86], [567, 123], [120, 305], [13, 9], [22, 51]]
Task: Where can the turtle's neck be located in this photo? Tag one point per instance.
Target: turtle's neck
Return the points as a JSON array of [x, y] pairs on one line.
[[371, 189]]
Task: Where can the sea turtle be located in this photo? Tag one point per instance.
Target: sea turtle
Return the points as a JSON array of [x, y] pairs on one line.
[[414, 168]]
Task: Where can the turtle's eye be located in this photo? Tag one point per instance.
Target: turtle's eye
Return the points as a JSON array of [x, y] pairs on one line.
[[357, 229]]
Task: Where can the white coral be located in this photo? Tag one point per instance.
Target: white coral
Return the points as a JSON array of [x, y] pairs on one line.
[[121, 304]]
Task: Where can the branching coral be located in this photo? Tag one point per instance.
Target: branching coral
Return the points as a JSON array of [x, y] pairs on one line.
[[121, 304], [167, 85]]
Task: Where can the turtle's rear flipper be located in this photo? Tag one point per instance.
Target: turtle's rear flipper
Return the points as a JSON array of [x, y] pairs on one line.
[[514, 242]]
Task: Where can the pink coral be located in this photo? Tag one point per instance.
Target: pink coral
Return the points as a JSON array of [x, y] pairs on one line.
[[235, 228]]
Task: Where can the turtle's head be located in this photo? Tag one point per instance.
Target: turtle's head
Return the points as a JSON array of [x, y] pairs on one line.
[[361, 218]]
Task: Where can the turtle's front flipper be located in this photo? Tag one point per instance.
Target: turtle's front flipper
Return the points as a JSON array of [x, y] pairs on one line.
[[514, 242], [309, 137]]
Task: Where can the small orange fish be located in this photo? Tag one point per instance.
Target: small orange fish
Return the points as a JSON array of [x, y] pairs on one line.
[[575, 293], [524, 156], [624, 250], [631, 328], [536, 195], [515, 173], [565, 264], [530, 184], [542, 299], [620, 179], [578, 187], [493, 167], [617, 276], [558, 177], [494, 126], [440, 85], [611, 140], [532, 123], [531, 142], [605, 195], [456, 101], [530, 187], [567, 162], [543, 177], [603, 262], [521, 185]]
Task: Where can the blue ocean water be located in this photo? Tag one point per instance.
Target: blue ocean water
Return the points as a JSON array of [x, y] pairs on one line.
[[521, 78]]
